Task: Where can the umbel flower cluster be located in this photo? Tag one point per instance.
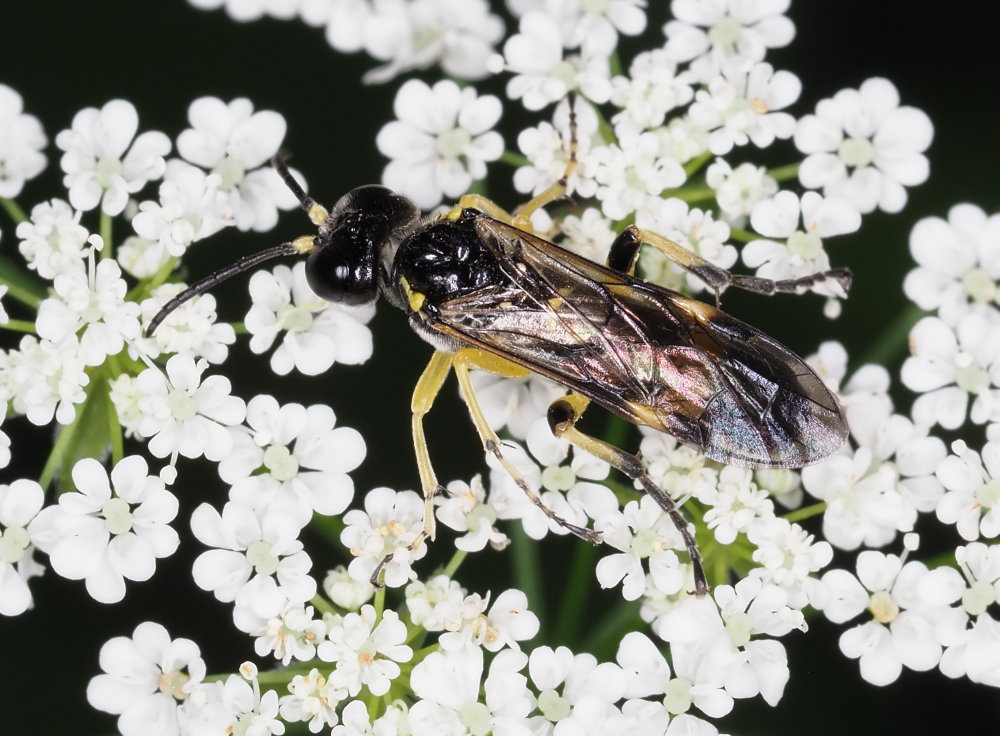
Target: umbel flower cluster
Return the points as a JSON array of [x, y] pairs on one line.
[[666, 140]]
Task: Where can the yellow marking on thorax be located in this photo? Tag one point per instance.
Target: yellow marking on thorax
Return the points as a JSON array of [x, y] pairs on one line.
[[415, 299]]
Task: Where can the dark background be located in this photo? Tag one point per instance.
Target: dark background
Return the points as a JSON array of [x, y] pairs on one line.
[[63, 56]]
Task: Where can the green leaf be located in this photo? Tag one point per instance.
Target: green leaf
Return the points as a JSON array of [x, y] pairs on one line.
[[90, 438], [23, 285]]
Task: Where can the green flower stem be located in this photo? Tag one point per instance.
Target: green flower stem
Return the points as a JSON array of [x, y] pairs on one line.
[[379, 602], [13, 209], [689, 194], [615, 64], [894, 338], [240, 329], [604, 127], [270, 678], [145, 287], [64, 440], [783, 173], [574, 597], [322, 605], [454, 563], [22, 285], [114, 431], [692, 166], [527, 569], [744, 236], [806, 512], [604, 634], [19, 325], [516, 160], [105, 230]]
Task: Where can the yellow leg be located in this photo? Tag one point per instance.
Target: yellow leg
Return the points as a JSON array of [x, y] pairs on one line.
[[462, 361], [424, 393], [483, 204], [563, 416]]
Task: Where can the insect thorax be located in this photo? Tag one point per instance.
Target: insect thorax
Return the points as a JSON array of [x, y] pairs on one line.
[[442, 260]]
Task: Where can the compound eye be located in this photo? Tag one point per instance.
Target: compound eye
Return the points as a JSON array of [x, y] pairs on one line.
[[343, 274]]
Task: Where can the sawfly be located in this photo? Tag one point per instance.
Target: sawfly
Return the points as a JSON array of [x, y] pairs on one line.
[[487, 292]]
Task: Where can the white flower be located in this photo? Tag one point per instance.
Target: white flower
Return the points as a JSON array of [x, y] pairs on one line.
[[545, 147], [958, 263], [863, 146], [739, 190], [293, 453], [141, 258], [448, 685], [694, 229], [951, 365], [20, 502], [441, 142], [592, 26], [354, 644], [541, 74], [641, 531], [146, 678], [651, 90], [22, 141], [345, 591], [229, 707], [247, 10], [802, 224], [192, 329], [741, 106], [787, 556], [736, 504], [103, 164], [709, 34], [236, 144], [589, 234], [973, 651], [114, 528], [863, 505], [317, 333], [437, 605], [972, 500], [91, 303], [698, 680], [748, 610], [679, 470], [514, 403], [182, 414], [901, 629], [567, 683], [258, 562], [345, 22], [383, 533], [357, 722], [53, 239], [507, 622], [44, 380], [565, 487], [184, 212], [313, 698], [292, 634], [415, 34], [627, 175], [463, 508]]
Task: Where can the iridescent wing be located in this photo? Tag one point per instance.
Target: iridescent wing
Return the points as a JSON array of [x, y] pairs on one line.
[[651, 355]]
